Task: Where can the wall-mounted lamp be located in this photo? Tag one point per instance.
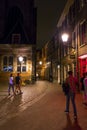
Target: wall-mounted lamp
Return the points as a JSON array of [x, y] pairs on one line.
[[58, 66], [20, 58], [40, 62], [65, 38]]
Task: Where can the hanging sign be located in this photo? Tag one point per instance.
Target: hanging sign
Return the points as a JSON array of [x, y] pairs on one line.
[[72, 56]]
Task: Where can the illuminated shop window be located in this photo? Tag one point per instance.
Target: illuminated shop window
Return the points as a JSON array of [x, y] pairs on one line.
[[21, 66], [8, 63]]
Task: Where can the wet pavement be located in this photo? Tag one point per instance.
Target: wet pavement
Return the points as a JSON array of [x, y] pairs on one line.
[[11, 105], [40, 107]]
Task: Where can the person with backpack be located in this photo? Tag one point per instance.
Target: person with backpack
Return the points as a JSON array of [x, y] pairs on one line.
[[72, 82]]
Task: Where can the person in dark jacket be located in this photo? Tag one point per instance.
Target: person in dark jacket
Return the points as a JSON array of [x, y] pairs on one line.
[[72, 82], [18, 83]]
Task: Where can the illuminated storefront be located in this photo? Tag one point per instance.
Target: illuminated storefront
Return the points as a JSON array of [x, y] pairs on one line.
[[83, 64], [10, 63]]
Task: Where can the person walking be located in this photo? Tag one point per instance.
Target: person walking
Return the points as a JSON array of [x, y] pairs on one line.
[[85, 87], [11, 84], [72, 81], [18, 84]]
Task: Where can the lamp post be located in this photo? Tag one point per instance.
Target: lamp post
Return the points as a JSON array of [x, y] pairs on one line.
[[20, 60]]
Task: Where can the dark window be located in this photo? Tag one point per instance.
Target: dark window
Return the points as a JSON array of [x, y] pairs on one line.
[[5, 60], [16, 38], [82, 3], [11, 60], [77, 5], [23, 68], [83, 33], [18, 68], [74, 39]]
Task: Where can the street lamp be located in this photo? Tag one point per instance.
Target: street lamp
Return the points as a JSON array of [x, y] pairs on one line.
[[20, 60], [40, 62], [65, 37]]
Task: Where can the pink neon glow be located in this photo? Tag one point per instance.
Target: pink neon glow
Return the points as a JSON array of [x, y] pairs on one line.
[[83, 56]]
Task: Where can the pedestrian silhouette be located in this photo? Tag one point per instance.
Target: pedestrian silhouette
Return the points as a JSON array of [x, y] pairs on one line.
[[72, 82], [18, 84], [11, 84]]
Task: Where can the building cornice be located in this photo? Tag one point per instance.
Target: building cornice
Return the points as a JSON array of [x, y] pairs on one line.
[[65, 11]]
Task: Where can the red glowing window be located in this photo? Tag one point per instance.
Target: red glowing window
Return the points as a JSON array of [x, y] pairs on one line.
[[83, 56]]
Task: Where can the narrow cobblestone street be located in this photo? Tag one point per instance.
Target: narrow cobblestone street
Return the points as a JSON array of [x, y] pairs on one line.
[[40, 107]]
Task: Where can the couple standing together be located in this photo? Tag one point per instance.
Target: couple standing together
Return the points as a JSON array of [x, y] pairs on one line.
[[17, 82]]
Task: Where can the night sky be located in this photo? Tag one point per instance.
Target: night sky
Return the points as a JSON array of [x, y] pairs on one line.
[[48, 13]]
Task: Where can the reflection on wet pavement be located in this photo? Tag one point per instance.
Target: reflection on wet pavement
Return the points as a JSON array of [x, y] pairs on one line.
[[9, 107], [72, 125], [12, 105]]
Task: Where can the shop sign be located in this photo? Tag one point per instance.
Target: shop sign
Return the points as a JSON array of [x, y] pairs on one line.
[[72, 56]]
